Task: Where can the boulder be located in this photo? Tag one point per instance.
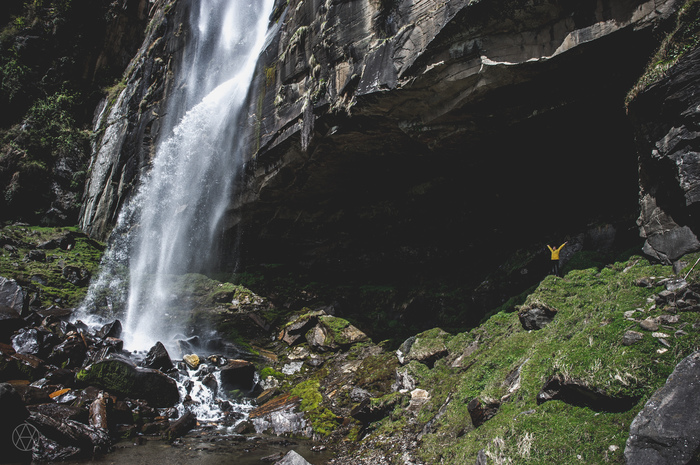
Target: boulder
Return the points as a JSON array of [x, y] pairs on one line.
[[631, 337], [14, 413], [70, 353], [113, 329], [10, 321], [70, 433], [181, 426], [427, 347], [578, 393], [292, 458], [34, 341], [123, 378], [192, 361], [12, 296], [76, 276], [158, 358], [480, 412], [238, 374], [536, 316], [667, 430]]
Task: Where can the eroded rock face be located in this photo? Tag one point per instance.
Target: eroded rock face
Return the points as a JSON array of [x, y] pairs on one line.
[[377, 124], [667, 430], [666, 116]]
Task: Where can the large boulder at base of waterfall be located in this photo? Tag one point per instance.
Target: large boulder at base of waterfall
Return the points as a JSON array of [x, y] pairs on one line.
[[158, 358], [238, 374], [123, 378], [667, 430], [113, 329], [292, 458]]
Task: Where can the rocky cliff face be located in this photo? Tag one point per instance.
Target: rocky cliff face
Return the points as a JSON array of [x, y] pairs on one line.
[[666, 126], [425, 132], [395, 136]]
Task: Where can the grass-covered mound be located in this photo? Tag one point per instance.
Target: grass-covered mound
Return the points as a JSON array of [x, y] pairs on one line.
[[505, 367]]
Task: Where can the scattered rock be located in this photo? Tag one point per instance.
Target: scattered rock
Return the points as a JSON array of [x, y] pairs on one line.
[[536, 316], [649, 324], [292, 458], [98, 412], [427, 347], [480, 412], [113, 329], [192, 361], [580, 394], [158, 358], [181, 426], [631, 337], [419, 397], [667, 430], [238, 374], [76, 276]]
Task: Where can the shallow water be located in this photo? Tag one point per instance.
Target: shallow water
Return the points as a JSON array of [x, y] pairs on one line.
[[207, 448]]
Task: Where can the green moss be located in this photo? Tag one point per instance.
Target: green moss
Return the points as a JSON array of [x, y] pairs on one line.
[[322, 420]]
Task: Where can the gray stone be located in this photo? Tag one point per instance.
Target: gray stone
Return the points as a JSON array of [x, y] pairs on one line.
[[292, 458], [536, 316], [667, 430], [631, 337]]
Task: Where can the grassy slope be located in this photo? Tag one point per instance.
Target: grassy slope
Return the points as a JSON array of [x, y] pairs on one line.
[[45, 277], [583, 342]]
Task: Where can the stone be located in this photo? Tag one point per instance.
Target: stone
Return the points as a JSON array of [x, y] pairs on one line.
[[34, 341], [69, 354], [181, 426], [158, 358], [419, 397], [631, 337], [98, 412], [649, 324], [113, 329], [292, 458], [238, 374], [536, 317], [76, 276], [122, 378], [427, 347], [667, 429], [14, 413], [578, 393], [71, 433], [12, 295], [37, 255], [192, 361], [480, 412]]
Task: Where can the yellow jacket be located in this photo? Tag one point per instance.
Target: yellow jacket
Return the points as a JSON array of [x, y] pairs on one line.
[[555, 252]]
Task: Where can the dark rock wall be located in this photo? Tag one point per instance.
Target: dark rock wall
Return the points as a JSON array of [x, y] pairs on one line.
[[128, 123], [427, 133], [666, 117]]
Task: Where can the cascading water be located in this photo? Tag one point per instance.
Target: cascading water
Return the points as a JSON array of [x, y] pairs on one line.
[[171, 225]]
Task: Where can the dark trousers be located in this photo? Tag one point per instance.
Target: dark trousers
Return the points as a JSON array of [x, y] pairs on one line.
[[555, 267]]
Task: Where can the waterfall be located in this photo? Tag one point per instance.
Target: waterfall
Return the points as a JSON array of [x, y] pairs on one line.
[[173, 222]]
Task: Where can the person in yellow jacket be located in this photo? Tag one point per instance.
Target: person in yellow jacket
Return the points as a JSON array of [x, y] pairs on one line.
[[555, 257]]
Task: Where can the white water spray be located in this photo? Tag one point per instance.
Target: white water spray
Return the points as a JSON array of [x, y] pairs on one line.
[[172, 223]]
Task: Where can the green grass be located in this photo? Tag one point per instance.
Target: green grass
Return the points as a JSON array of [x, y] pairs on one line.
[[45, 278], [584, 342]]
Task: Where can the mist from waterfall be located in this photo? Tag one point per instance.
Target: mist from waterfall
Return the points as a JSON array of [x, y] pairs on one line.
[[172, 224]]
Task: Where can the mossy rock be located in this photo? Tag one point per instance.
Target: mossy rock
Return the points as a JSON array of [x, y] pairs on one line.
[[126, 380]]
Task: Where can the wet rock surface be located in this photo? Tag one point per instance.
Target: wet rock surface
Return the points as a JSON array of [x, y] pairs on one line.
[[667, 430]]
